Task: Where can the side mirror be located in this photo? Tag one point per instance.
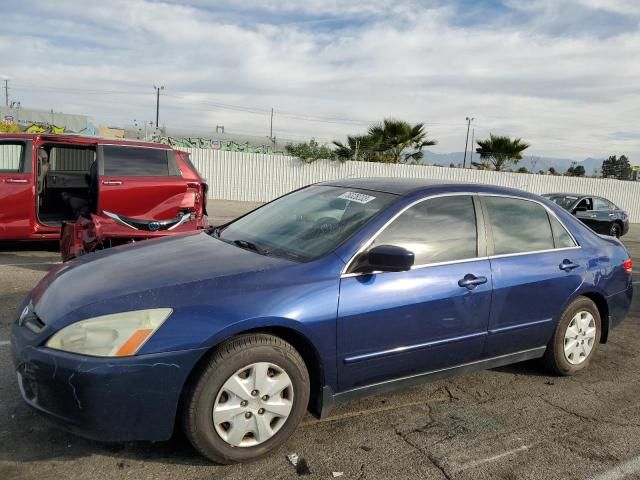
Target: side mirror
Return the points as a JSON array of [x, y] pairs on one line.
[[386, 258]]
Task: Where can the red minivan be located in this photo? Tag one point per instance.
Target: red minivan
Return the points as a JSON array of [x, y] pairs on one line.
[[93, 193]]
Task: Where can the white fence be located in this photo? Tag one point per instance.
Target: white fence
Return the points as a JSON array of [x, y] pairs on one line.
[[258, 178]]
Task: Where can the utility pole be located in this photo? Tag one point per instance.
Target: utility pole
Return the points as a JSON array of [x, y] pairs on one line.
[[466, 142], [271, 127], [6, 92], [157, 89], [473, 134]]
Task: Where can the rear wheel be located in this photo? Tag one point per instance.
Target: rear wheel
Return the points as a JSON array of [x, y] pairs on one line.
[[248, 400], [576, 338], [615, 230]]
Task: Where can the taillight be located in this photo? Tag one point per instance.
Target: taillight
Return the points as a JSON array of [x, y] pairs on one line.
[[628, 265]]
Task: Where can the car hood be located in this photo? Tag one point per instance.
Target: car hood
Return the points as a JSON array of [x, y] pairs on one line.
[[142, 268]]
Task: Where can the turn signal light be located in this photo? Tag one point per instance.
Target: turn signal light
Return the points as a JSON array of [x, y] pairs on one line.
[[628, 265]]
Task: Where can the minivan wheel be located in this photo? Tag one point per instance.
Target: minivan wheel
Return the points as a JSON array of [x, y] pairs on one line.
[[615, 230], [576, 338], [248, 400]]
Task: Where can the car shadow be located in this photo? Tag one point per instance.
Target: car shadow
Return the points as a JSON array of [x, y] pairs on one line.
[[529, 368]]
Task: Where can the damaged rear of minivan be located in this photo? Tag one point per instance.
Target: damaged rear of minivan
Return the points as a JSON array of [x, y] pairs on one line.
[[133, 192]]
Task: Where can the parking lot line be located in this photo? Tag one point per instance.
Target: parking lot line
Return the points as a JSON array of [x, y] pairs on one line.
[[621, 470], [477, 463], [4, 343]]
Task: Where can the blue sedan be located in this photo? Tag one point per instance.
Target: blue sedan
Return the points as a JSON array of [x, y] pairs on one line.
[[330, 293]]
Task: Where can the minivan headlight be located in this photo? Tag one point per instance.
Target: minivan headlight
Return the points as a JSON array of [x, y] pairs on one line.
[[116, 335]]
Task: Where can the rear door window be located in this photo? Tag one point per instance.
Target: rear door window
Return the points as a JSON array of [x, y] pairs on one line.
[[561, 236], [601, 204], [518, 226], [11, 157], [135, 161], [436, 230]]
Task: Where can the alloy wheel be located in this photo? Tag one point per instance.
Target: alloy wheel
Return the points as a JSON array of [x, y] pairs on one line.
[[253, 404]]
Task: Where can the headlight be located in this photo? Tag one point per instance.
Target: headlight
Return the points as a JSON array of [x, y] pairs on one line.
[[116, 335]]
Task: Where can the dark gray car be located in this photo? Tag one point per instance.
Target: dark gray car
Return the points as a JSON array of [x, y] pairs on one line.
[[600, 214]]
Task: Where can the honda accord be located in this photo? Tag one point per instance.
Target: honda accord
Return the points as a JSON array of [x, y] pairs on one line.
[[332, 292]]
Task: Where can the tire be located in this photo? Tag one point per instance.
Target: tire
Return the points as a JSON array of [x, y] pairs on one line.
[[615, 230], [580, 319], [234, 367]]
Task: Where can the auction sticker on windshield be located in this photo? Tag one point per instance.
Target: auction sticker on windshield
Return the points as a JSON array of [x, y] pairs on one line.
[[357, 197]]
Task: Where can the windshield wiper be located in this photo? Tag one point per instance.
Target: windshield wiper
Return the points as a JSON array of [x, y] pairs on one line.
[[249, 246]]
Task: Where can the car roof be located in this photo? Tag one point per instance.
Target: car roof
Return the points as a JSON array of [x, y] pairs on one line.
[[567, 194], [408, 186], [82, 139]]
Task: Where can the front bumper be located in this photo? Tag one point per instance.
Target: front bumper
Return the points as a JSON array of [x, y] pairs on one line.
[[105, 399]]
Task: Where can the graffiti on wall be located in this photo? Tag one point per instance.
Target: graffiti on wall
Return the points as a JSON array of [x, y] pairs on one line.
[[213, 144], [9, 125]]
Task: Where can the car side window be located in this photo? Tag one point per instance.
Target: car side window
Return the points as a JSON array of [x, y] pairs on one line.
[[518, 226], [436, 230], [601, 204], [561, 237], [11, 157], [135, 161]]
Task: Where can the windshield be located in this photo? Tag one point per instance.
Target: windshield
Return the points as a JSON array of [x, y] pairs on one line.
[[565, 201], [306, 224]]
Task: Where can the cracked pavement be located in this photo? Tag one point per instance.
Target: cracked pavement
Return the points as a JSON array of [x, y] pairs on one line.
[[515, 422]]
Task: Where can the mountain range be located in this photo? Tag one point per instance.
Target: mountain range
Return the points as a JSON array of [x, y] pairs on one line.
[[533, 163]]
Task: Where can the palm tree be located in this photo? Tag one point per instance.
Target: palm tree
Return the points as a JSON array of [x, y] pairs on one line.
[[392, 138], [499, 151], [358, 147]]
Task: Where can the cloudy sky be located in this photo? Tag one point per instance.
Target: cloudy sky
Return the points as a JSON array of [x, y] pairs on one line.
[[563, 75]]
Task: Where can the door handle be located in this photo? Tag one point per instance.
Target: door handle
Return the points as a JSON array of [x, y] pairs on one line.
[[112, 182], [470, 281], [612, 215], [568, 265], [593, 215], [16, 180]]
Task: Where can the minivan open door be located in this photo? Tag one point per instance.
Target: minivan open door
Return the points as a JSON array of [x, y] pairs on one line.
[[17, 192]]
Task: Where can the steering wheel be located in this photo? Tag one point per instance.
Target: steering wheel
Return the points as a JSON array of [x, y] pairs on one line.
[[325, 225]]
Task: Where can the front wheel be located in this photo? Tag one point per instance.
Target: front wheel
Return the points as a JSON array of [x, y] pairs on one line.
[[576, 338], [248, 400]]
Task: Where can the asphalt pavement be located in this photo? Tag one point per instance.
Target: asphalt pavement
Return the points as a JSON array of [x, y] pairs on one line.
[[516, 422]]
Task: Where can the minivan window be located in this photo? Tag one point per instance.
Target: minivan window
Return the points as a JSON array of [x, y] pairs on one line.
[[135, 161], [518, 226], [71, 159], [11, 157], [437, 230]]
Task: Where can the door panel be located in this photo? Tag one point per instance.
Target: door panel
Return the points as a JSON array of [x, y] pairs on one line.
[[397, 324], [134, 182], [529, 292], [17, 195], [598, 220]]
